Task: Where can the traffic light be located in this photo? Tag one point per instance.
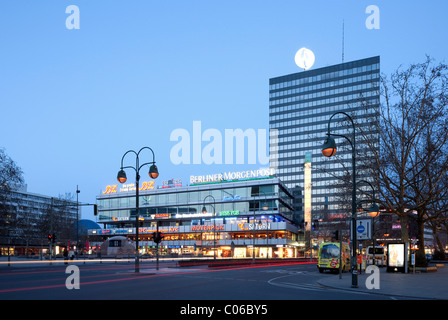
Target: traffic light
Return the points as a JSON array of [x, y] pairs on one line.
[[51, 238], [153, 236], [157, 237], [95, 209]]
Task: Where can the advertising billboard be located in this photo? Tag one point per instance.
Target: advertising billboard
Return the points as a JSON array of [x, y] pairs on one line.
[[397, 257]]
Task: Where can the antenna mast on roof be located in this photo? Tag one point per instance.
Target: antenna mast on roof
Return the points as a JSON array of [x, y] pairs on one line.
[[342, 41]]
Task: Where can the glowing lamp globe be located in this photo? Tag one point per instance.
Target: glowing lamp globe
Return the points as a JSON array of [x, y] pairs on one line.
[[121, 176], [304, 58], [153, 171], [329, 147]]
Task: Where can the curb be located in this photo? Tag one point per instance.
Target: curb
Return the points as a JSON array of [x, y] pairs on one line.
[[373, 292]]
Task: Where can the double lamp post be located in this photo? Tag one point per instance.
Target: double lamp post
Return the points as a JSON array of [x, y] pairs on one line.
[[121, 177]]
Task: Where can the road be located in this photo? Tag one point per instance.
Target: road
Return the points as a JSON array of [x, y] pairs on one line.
[[118, 281]]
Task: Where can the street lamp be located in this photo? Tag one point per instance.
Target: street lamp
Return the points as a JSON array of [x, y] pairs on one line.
[[204, 210], [77, 222], [374, 210], [328, 150], [121, 177]]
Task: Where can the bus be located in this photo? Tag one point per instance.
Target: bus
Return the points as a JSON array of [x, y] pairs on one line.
[[380, 256], [329, 257]]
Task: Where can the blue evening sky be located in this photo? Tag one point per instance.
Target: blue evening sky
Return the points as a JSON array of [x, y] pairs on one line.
[[74, 101]]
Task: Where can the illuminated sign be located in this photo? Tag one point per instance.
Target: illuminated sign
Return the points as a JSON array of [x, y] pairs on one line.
[[161, 216], [229, 213], [250, 226], [207, 228], [111, 189], [161, 229], [146, 185], [172, 183], [397, 258], [232, 176], [194, 215], [120, 218]]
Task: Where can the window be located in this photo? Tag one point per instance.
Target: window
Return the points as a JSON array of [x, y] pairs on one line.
[[114, 243]]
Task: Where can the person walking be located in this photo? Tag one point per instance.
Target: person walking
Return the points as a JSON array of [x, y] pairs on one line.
[[65, 256]]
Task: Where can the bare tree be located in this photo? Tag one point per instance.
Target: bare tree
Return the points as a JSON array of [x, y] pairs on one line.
[[410, 162], [10, 178]]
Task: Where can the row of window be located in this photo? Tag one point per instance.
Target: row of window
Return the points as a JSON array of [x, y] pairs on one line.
[[190, 211], [315, 108], [351, 95], [302, 91], [299, 123], [227, 194], [325, 76], [321, 114]]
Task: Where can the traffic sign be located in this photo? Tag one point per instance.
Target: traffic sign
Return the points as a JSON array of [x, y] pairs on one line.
[[363, 229]]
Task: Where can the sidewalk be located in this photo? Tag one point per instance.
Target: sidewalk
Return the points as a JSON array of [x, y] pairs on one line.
[[425, 285]]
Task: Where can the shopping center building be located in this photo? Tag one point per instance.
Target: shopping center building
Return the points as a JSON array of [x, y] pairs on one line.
[[255, 211]]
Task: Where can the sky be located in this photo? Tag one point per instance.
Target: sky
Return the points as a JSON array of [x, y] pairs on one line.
[[74, 100]]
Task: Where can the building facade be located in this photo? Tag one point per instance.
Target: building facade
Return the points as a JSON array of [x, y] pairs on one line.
[[300, 106], [32, 218], [211, 218]]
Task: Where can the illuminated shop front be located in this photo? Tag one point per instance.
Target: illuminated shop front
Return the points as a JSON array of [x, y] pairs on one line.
[[242, 218]]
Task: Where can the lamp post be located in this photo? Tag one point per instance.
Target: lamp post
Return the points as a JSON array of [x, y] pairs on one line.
[[204, 210], [373, 211], [328, 150], [77, 221], [121, 177]]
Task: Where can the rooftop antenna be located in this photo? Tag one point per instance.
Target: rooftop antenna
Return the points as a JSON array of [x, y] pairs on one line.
[[342, 40]]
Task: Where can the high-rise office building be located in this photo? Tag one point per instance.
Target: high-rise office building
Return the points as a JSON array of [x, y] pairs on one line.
[[300, 106]]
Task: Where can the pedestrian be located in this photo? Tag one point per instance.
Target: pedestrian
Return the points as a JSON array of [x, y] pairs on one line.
[[65, 256]]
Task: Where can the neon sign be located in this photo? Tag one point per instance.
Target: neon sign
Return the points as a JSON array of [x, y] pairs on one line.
[[146, 185], [111, 189], [207, 228], [229, 176], [229, 213], [161, 216], [256, 226]]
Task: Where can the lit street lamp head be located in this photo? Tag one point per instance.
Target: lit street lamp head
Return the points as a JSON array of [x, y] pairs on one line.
[[153, 172], [204, 209], [121, 177], [329, 147], [265, 206], [374, 211]]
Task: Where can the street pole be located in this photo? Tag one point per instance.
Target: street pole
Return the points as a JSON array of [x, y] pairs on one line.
[[354, 234], [77, 222], [328, 150], [137, 183], [51, 228], [121, 177], [157, 248]]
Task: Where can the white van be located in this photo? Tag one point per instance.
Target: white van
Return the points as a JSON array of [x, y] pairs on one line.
[[380, 256]]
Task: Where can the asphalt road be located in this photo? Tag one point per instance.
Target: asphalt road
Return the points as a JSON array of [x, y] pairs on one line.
[[120, 282]]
